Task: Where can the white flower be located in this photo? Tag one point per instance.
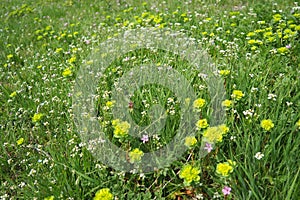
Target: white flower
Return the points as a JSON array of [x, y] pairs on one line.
[[272, 97], [259, 155]]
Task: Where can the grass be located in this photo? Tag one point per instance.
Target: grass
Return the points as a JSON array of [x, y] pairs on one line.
[[45, 44]]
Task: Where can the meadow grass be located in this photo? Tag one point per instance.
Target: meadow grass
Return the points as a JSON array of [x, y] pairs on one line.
[[255, 46]]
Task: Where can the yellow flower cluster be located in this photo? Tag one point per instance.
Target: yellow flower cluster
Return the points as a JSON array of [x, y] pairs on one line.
[[67, 72], [110, 104], [20, 141], [199, 103], [267, 124], [135, 155], [237, 94], [13, 94], [37, 117], [227, 103], [215, 134], [224, 72], [298, 123], [121, 128], [190, 141], [103, 194], [224, 169], [202, 123], [189, 174], [49, 198]]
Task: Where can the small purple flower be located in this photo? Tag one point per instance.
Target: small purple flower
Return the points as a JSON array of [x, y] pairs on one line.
[[226, 190], [145, 138], [130, 105], [87, 41], [208, 147], [288, 46]]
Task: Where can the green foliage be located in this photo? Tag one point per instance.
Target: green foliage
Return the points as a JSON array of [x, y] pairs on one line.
[[43, 45]]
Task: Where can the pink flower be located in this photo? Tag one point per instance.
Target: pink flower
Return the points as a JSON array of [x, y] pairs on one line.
[[208, 147], [145, 138], [226, 190]]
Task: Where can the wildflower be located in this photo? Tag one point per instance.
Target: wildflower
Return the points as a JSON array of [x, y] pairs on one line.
[[199, 103], [227, 103], [135, 155], [120, 128], [72, 59], [250, 34], [67, 72], [237, 94], [202, 123], [213, 134], [20, 141], [277, 17], [37, 117], [13, 94], [224, 129], [267, 124], [208, 147], [298, 123], [224, 169], [259, 155], [103, 194], [145, 138], [9, 56], [130, 105], [58, 50], [251, 41], [282, 50], [110, 104], [49, 198], [190, 141], [189, 174], [226, 190], [224, 72]]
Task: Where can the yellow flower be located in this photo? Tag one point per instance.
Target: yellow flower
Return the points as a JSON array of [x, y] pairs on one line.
[[37, 117], [13, 94], [227, 103], [20, 141], [190, 141], [103, 194], [237, 94], [189, 174], [298, 123], [199, 103], [110, 103], [72, 59], [224, 72], [282, 50], [9, 56], [58, 50], [135, 155], [277, 17], [250, 34], [267, 124], [224, 169], [49, 198], [251, 41], [268, 34], [202, 123], [224, 129], [215, 134], [121, 128], [67, 72]]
